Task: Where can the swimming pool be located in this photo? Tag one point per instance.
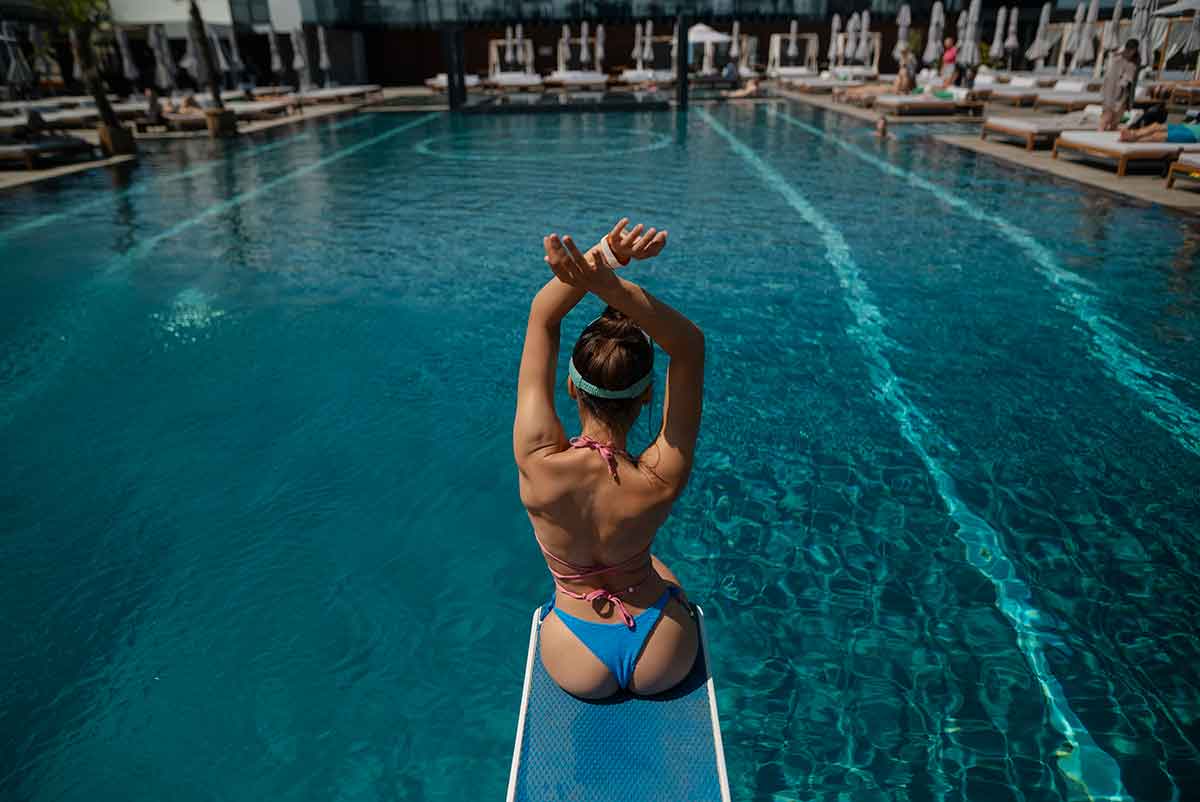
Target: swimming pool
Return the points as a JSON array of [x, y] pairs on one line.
[[262, 535]]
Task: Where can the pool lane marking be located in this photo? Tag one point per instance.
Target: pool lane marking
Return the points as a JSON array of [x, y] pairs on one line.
[[47, 219], [1086, 765], [144, 247], [1125, 362]]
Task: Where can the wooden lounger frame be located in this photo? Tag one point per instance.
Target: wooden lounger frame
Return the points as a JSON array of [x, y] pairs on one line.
[[917, 106], [1121, 158], [1179, 170], [1030, 137], [1023, 99]]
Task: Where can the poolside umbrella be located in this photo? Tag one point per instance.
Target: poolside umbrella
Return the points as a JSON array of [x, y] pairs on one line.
[[164, 69], [1040, 47], [129, 70], [1110, 41], [648, 43], [1192, 43], [222, 64], [508, 45], [735, 49], [1085, 50], [968, 51], [276, 59], [851, 38], [793, 50], [997, 49], [43, 62], [903, 22], [1072, 41], [323, 63], [584, 55], [865, 40], [19, 73], [190, 63], [235, 54], [674, 46], [77, 68], [937, 26], [599, 52], [520, 35], [300, 58], [835, 28], [1012, 43], [1141, 30], [637, 44]]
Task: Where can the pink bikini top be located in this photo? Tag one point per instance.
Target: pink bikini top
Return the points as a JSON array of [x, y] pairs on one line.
[[609, 453]]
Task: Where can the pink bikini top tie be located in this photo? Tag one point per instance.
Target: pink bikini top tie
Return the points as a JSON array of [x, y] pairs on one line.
[[605, 450], [609, 453]]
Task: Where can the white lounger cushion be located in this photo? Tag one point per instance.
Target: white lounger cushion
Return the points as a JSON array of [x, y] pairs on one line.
[[439, 81], [1070, 86], [578, 77], [1107, 140], [1079, 121], [516, 79], [907, 100], [1022, 82], [824, 83], [1190, 160], [794, 72], [1069, 97]]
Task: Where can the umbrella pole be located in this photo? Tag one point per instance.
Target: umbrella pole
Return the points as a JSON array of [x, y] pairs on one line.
[[681, 62]]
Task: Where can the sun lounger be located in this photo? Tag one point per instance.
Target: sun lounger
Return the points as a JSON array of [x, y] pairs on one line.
[[788, 73], [130, 110], [262, 109], [1185, 95], [1020, 91], [71, 118], [340, 94], [32, 153], [440, 81], [205, 98], [572, 79], [1186, 166], [963, 102], [173, 121], [819, 86], [628, 748], [514, 80], [1030, 130], [259, 91], [1066, 101], [854, 73], [1106, 145]]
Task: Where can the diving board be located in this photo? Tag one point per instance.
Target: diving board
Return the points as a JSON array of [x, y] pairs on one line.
[[626, 748]]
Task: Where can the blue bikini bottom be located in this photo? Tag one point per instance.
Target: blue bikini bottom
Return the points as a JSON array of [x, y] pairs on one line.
[[616, 645]]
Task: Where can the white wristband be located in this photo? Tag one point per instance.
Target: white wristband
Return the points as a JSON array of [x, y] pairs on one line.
[[609, 256]]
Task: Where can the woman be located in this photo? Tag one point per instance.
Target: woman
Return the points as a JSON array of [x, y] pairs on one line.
[[1182, 134], [619, 617]]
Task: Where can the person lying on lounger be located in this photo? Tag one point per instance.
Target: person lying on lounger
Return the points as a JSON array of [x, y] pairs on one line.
[[752, 89], [906, 80], [1184, 134], [619, 619]]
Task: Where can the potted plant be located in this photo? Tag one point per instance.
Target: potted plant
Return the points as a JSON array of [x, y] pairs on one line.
[[83, 17]]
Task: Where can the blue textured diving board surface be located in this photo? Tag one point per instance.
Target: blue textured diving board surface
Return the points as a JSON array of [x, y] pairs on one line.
[[627, 749]]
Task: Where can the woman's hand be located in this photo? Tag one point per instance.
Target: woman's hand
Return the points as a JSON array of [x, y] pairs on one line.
[[635, 243], [590, 273]]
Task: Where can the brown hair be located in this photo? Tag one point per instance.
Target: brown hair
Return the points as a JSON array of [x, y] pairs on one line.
[[613, 353]]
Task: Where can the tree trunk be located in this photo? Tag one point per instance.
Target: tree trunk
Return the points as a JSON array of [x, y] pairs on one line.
[[91, 76], [204, 53]]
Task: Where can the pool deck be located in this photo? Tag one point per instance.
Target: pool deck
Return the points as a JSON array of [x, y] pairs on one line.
[[10, 179], [1148, 187]]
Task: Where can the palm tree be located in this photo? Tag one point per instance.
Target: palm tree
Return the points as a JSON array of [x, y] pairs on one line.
[[83, 17]]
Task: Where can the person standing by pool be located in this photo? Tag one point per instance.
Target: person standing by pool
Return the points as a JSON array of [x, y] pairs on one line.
[[1118, 82], [949, 57], [619, 618]]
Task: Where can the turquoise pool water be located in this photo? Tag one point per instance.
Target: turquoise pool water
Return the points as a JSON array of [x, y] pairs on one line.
[[262, 537]]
